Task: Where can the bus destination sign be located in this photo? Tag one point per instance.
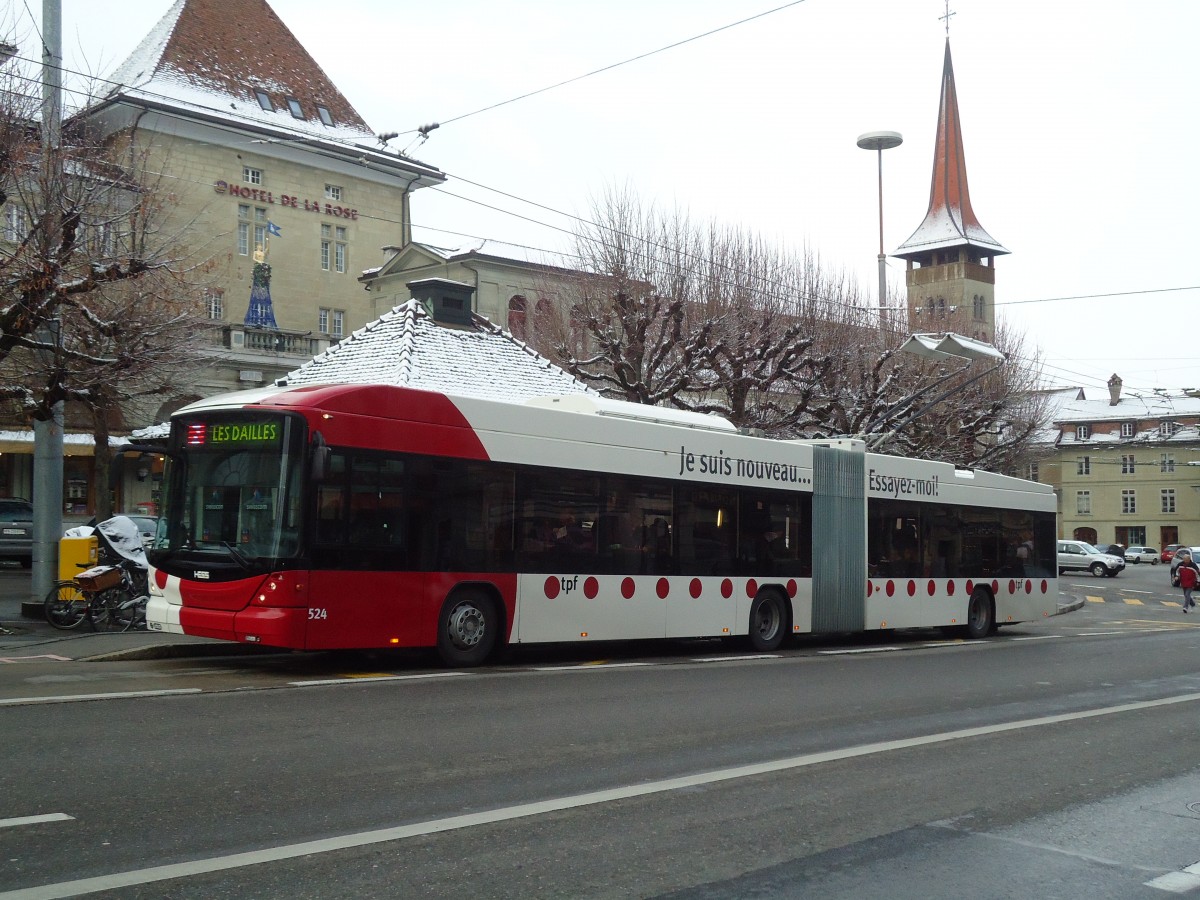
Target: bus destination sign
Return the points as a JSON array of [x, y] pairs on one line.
[[262, 433]]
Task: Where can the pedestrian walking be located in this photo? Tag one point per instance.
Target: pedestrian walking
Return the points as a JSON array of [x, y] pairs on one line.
[[1189, 576]]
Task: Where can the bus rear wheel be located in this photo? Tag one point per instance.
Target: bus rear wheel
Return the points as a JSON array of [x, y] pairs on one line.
[[981, 615], [768, 621], [467, 629]]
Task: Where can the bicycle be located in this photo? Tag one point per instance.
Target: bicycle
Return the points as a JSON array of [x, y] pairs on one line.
[[108, 598]]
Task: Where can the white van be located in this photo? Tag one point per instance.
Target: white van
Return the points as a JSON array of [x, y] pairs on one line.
[[1077, 556]]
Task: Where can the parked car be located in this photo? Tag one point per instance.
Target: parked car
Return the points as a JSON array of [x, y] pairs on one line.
[[1141, 554], [1111, 549], [16, 530], [1169, 552], [1079, 556]]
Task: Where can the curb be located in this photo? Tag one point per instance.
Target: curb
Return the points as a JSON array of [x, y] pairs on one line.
[[1075, 604]]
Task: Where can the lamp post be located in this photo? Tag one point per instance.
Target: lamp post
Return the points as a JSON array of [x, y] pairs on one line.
[[880, 141], [47, 473]]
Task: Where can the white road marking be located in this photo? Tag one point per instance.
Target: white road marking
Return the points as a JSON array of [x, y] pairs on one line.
[[34, 820], [736, 658], [76, 698], [589, 666], [21, 659], [1036, 637], [373, 678], [856, 650], [118, 880]]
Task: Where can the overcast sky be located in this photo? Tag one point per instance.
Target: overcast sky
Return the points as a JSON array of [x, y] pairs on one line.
[[1079, 121]]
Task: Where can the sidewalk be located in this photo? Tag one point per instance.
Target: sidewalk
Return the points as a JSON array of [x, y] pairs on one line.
[[24, 632]]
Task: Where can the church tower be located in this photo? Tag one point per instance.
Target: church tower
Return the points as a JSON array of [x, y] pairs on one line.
[[951, 276]]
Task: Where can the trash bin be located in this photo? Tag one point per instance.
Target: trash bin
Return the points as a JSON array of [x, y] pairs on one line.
[[76, 554]]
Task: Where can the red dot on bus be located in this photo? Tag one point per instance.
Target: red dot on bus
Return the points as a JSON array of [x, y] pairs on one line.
[[591, 587], [870, 588], [552, 587], [751, 587], [912, 588], [791, 587], [970, 585], [627, 588], [726, 588], [931, 587], [1044, 586], [1028, 586], [950, 588], [160, 578], [695, 589], [995, 586], [891, 587], [663, 588], [1012, 586]]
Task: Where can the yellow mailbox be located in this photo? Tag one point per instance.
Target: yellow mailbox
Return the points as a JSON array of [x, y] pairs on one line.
[[76, 554]]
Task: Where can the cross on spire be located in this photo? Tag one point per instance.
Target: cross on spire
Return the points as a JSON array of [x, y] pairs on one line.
[[946, 17]]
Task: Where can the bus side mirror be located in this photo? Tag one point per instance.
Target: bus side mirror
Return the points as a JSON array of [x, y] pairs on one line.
[[319, 466]]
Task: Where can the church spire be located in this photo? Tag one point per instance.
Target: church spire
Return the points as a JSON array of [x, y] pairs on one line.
[[950, 221]]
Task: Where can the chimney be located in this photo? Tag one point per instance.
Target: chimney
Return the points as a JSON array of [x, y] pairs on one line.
[[1114, 390], [449, 302]]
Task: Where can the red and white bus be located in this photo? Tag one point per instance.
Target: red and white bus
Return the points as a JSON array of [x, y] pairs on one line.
[[373, 516]]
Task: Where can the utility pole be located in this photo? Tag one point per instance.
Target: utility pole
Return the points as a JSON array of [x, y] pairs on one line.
[[48, 433]]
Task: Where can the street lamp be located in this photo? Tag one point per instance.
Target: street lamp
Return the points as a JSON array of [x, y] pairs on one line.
[[942, 347], [880, 141]]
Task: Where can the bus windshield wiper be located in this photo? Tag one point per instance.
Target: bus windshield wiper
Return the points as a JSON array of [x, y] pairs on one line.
[[238, 555]]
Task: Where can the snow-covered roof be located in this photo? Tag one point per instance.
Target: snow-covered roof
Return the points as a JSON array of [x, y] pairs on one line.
[[1069, 407], [529, 256], [211, 59], [407, 347]]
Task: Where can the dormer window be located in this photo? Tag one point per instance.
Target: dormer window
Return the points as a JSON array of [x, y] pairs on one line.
[[326, 118], [264, 101], [1167, 429], [1127, 429], [1083, 432], [294, 108]]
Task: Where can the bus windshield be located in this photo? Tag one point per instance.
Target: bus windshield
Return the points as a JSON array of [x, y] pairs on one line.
[[237, 489]]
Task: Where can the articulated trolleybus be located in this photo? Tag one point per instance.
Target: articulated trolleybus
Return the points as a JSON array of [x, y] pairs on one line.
[[373, 516]]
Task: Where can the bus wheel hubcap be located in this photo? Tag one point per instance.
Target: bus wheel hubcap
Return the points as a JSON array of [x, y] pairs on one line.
[[466, 626]]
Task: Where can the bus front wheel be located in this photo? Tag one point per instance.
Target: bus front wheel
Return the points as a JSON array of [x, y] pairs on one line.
[[467, 629], [981, 615], [768, 621]]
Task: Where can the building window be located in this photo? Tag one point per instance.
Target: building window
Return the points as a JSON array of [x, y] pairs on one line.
[[326, 246], [1128, 502], [214, 303], [333, 192], [516, 316], [323, 321], [15, 224], [1168, 500], [294, 108], [1167, 463], [1033, 472], [251, 175], [1127, 429], [339, 320], [1083, 465], [331, 322], [1082, 432], [339, 250], [326, 118], [977, 307], [1083, 503], [264, 101], [1167, 429], [1127, 465]]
